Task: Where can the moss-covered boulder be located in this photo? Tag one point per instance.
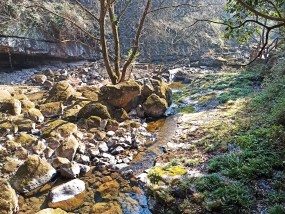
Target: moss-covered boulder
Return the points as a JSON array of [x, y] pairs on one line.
[[120, 95], [154, 106], [32, 174], [106, 208], [59, 127], [61, 91], [11, 106], [94, 109], [93, 122], [8, 198], [162, 90], [119, 114], [51, 109]]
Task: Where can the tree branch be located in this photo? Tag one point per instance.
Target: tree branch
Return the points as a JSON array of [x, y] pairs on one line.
[[87, 10], [248, 7]]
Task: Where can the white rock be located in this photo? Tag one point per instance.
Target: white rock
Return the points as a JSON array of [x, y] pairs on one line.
[[67, 191], [103, 147]]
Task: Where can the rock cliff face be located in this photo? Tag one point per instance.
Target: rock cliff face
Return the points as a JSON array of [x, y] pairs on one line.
[[37, 37]]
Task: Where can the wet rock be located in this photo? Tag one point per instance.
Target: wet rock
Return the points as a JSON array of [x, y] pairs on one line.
[[68, 148], [106, 208], [52, 211], [134, 203], [94, 109], [109, 190], [35, 115], [32, 174], [8, 198], [59, 127], [68, 196], [61, 91], [51, 109], [70, 170], [11, 106], [155, 106], [120, 95]]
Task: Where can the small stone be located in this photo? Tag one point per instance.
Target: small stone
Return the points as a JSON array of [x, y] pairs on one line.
[[68, 148], [59, 161], [118, 150], [109, 190], [70, 170], [35, 115], [103, 146], [110, 133]]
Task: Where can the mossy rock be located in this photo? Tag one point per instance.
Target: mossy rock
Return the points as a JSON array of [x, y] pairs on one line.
[[93, 122], [8, 198], [120, 95], [70, 114], [106, 208], [32, 174], [157, 174], [90, 92], [109, 190], [119, 114], [51, 109], [60, 127], [162, 90], [35, 115], [155, 106], [26, 105], [25, 139], [61, 91], [94, 109], [112, 125], [11, 106]]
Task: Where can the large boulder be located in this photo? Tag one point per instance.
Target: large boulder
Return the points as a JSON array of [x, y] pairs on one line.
[[120, 95], [68, 196], [94, 109], [154, 106], [60, 92], [34, 173], [8, 198]]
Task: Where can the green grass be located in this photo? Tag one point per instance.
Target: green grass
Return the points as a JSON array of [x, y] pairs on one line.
[[276, 209], [186, 109]]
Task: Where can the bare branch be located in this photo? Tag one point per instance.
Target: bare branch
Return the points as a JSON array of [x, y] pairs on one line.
[[176, 6], [124, 10], [65, 18], [87, 10]]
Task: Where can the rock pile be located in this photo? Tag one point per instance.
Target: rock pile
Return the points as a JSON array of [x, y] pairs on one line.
[[64, 130]]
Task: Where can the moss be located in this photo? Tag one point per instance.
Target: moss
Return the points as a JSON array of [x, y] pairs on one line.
[[187, 109], [156, 174], [109, 190], [106, 208], [94, 109], [59, 127]]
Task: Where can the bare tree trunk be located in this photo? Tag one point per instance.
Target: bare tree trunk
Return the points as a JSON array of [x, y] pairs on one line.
[[111, 73], [117, 49]]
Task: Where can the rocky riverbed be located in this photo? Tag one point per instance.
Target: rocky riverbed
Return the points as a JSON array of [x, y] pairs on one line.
[[70, 142]]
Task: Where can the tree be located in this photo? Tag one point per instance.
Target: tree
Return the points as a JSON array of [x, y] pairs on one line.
[[263, 17]]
